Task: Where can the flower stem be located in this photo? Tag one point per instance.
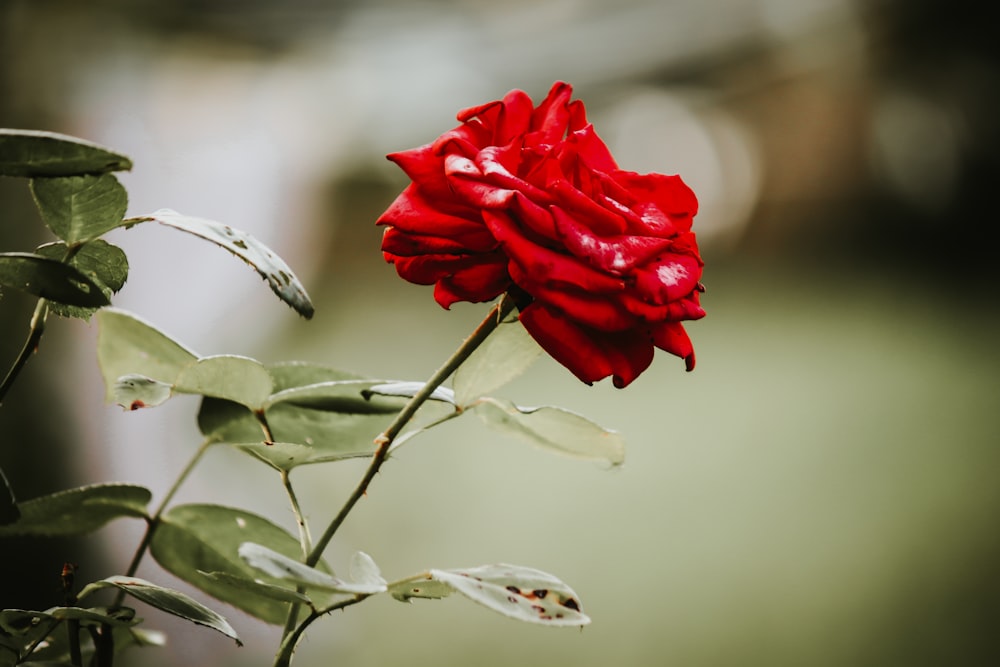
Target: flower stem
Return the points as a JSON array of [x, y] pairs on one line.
[[385, 439], [305, 540], [154, 520], [37, 328], [290, 640], [35, 331], [383, 444]]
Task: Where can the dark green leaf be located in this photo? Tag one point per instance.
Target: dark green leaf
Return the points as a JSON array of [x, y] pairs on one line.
[[521, 593], [20, 629], [33, 153], [80, 208], [24, 622], [271, 267], [79, 511], [127, 345], [105, 264], [50, 279], [259, 588], [168, 600], [96, 616], [554, 428], [192, 539]]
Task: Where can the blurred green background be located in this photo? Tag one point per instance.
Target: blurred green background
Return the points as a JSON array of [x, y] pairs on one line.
[[820, 491]]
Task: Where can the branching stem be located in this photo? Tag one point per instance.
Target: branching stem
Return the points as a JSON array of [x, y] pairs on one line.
[[154, 520], [383, 444]]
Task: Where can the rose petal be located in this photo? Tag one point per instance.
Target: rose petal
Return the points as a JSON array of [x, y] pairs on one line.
[[428, 269], [533, 216], [470, 184], [566, 342], [671, 337], [669, 194], [593, 150], [599, 219], [667, 278], [413, 211], [543, 265], [488, 161], [601, 312], [514, 118], [630, 353], [407, 244], [682, 309], [475, 284], [615, 254], [551, 116]]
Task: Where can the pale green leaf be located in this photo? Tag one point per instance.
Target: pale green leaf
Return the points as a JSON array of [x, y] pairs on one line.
[[280, 566], [127, 345], [141, 637], [168, 600], [50, 279], [78, 511], [105, 264], [554, 428], [346, 396], [326, 421], [409, 390], [505, 354], [192, 539], [421, 586], [80, 208], [138, 391], [230, 377], [288, 374], [365, 571], [34, 153], [272, 268], [522, 593]]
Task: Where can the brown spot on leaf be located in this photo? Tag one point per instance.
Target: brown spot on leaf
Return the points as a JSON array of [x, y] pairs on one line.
[[570, 603], [136, 404]]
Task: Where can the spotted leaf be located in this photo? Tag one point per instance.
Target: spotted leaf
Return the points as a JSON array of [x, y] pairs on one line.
[[521, 593], [272, 268]]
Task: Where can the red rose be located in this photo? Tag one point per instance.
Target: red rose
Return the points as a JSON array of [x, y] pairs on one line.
[[601, 262]]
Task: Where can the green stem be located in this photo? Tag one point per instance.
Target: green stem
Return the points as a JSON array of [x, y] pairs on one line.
[[385, 439], [154, 520], [53, 624], [288, 643], [305, 539], [383, 444], [73, 632], [37, 328]]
